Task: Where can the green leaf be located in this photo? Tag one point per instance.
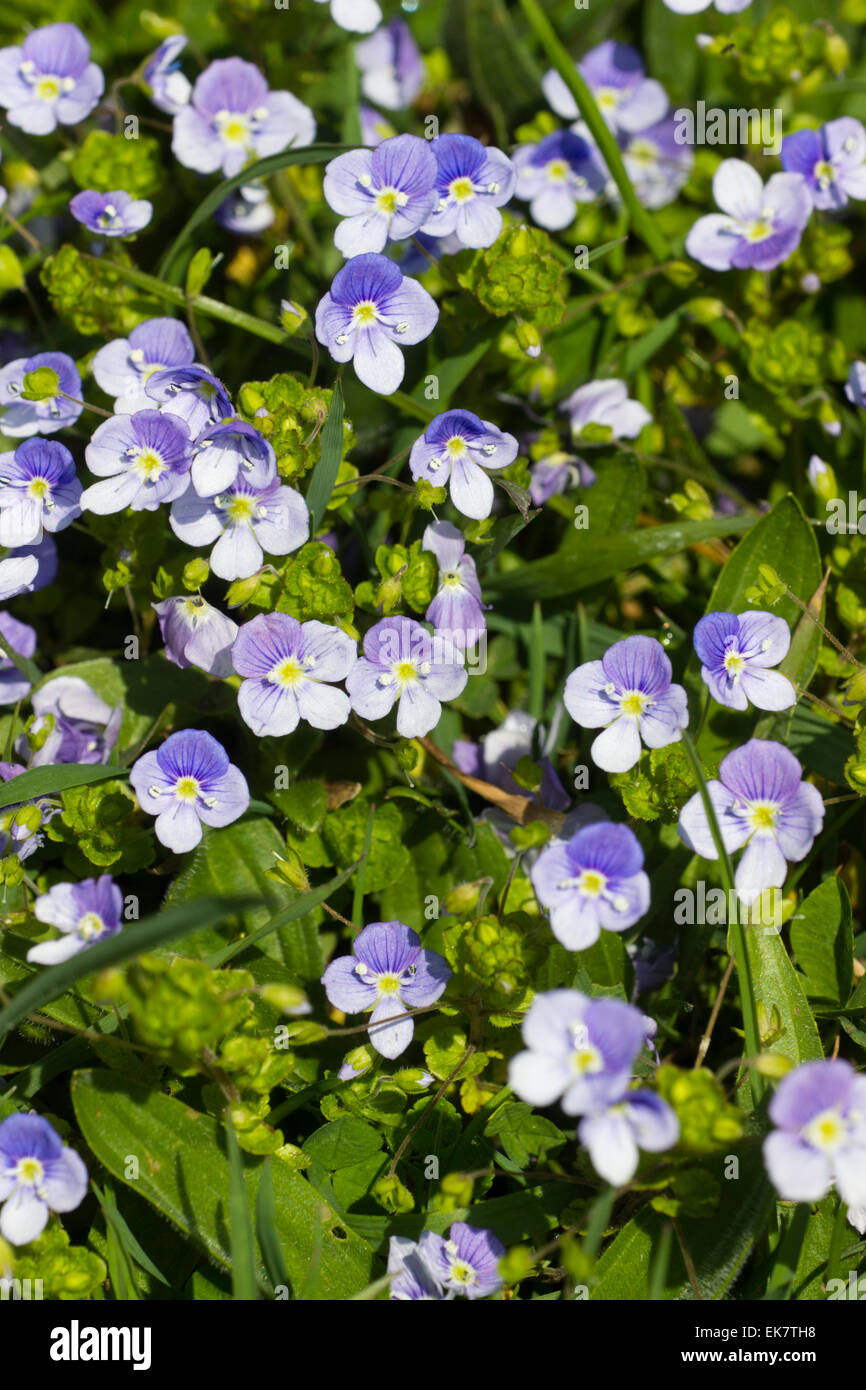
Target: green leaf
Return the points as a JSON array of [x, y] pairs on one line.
[[184, 1173], [55, 777], [266, 1229], [261, 169], [822, 940], [785, 540], [171, 924], [299, 909], [234, 861], [325, 472], [343, 1143], [584, 558], [718, 1246], [240, 1221]]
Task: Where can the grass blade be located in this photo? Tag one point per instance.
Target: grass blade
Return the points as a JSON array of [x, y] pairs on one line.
[[53, 778], [266, 1230], [325, 471], [240, 1222], [156, 930], [305, 154], [282, 919]]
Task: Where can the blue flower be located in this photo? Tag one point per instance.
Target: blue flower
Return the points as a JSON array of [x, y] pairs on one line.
[[83, 729], [403, 665], [819, 1111], [196, 634], [38, 1172], [84, 913], [458, 448], [385, 194], [22, 822], [737, 652], [580, 1051], [595, 879], [615, 1136], [627, 99], [369, 313], [473, 182], [290, 669], [144, 459], [760, 801], [247, 211], [758, 228], [387, 972], [124, 366], [832, 160], [606, 402], [193, 393], [554, 176], [38, 488], [22, 639], [628, 694], [169, 89], [228, 451], [49, 79], [456, 611], [391, 67], [466, 1261], [413, 1280], [22, 418], [186, 782], [111, 214], [245, 521], [234, 119]]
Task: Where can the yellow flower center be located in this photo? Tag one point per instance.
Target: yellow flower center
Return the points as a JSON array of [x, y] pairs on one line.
[[456, 446], [48, 89], [240, 509], [406, 672], [607, 98], [734, 663], [463, 1274], [591, 882], [557, 169], [90, 925], [824, 172], [30, 1171], [633, 702], [365, 313], [187, 789], [461, 190], [450, 579], [388, 984], [762, 815], [642, 152], [39, 489], [149, 464], [390, 199], [827, 1130], [288, 673], [232, 127], [757, 231]]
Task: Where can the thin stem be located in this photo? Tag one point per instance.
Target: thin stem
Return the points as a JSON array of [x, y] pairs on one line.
[[598, 129], [407, 1138], [747, 991], [708, 1031]]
